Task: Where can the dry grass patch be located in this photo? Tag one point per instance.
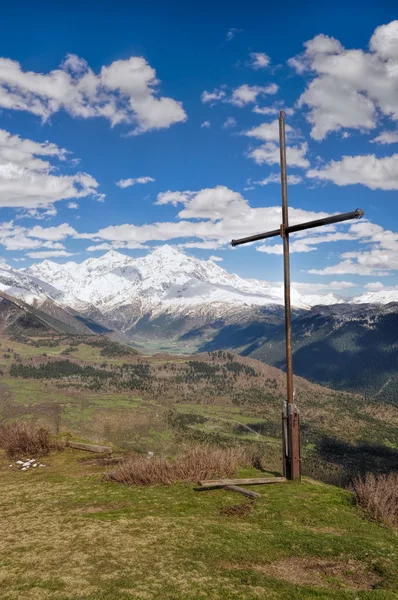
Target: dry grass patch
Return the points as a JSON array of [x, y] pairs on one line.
[[379, 495], [237, 510], [317, 572], [194, 465], [21, 439]]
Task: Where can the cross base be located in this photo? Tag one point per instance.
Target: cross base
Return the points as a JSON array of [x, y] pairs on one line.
[[291, 442]]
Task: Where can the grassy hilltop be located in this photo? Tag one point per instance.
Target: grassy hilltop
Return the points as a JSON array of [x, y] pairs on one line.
[[66, 533]]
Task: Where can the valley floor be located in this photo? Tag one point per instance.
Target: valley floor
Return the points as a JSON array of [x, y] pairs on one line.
[[66, 534]]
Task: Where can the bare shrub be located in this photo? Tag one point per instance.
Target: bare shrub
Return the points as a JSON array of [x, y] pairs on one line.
[[196, 464], [21, 439], [379, 495]]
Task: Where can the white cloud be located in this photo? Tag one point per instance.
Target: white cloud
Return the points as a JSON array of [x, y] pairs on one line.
[[229, 123], [117, 246], [206, 125], [268, 132], [276, 178], [211, 97], [350, 88], [49, 254], [124, 183], [381, 258], [272, 110], [215, 258], [241, 96], [123, 92], [298, 246], [174, 198], [247, 94], [214, 215], [374, 286], [269, 154], [73, 205], [259, 60], [28, 181], [231, 33], [375, 173], [386, 137], [313, 288]]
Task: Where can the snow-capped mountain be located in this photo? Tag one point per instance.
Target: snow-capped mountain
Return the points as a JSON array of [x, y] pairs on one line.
[[165, 277], [380, 297], [162, 290]]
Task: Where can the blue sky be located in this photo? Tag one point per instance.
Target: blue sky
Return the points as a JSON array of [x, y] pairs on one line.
[[179, 102]]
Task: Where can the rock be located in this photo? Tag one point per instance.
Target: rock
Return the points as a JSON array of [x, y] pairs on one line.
[[19, 462], [34, 465], [23, 468], [10, 466], [32, 460], [26, 464]]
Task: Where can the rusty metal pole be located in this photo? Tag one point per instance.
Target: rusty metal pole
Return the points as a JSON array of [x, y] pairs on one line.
[[292, 466]]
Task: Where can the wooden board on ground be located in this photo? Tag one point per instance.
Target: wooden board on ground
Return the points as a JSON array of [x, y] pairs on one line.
[[220, 483], [90, 447], [239, 490]]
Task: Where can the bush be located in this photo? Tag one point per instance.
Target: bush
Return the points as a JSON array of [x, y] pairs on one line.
[[379, 495], [199, 463], [23, 439]]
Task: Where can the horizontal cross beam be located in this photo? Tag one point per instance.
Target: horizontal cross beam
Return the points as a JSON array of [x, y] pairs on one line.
[[355, 214]]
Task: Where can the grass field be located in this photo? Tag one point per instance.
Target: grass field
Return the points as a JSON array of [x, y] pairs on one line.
[[65, 535]]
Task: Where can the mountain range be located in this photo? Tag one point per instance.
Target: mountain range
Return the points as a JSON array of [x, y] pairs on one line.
[[169, 300], [123, 291]]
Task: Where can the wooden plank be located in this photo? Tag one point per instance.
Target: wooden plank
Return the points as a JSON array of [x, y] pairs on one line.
[[219, 483], [239, 490], [90, 447]]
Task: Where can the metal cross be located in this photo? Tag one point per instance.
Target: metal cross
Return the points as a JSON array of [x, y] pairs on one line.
[[290, 415]]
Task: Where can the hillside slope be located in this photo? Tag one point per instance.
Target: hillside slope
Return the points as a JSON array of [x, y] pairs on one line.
[[347, 347], [104, 392]]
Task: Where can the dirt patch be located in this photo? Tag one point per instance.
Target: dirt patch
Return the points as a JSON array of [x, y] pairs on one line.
[[332, 574], [236, 510]]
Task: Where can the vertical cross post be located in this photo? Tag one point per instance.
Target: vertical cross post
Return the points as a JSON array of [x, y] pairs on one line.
[[290, 413], [292, 460]]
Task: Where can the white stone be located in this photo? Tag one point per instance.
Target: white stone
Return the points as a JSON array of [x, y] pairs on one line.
[[26, 464], [34, 465], [10, 465], [19, 462], [23, 468]]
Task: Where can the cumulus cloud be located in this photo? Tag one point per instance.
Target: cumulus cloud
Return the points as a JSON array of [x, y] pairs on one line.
[[386, 137], [206, 125], [375, 173], [49, 254], [269, 154], [276, 178], [215, 258], [272, 110], [268, 132], [212, 215], [212, 97], [241, 96], [374, 286], [259, 60], [123, 92], [27, 180], [350, 88], [247, 94], [230, 123], [381, 258], [124, 183]]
